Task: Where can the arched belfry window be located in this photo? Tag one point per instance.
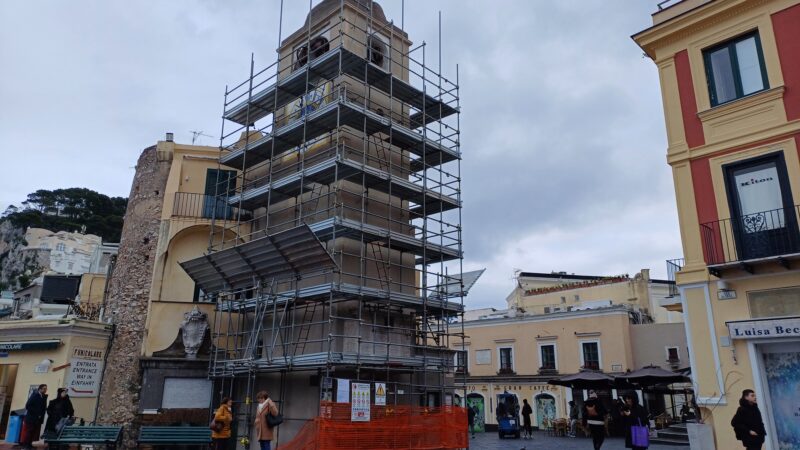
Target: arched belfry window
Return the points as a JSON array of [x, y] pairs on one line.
[[319, 45], [378, 51]]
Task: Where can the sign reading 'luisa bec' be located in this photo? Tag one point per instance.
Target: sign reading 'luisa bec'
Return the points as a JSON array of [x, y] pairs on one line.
[[759, 329]]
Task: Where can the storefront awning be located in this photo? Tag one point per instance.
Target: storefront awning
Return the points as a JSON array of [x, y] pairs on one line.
[[12, 346]]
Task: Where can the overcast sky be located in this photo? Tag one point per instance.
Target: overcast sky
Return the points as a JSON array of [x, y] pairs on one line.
[[562, 126]]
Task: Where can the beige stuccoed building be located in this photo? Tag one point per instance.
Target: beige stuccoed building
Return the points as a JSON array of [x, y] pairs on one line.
[[558, 324], [729, 76]]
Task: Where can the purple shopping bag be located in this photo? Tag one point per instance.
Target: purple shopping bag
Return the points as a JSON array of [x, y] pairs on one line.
[[640, 435]]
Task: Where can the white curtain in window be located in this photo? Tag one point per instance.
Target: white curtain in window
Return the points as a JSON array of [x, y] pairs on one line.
[[724, 85], [749, 67]]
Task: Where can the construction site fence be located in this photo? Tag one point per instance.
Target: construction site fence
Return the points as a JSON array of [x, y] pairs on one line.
[[389, 427]]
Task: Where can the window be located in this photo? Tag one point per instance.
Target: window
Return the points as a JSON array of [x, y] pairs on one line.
[[735, 69], [506, 360], [60, 247], [763, 220], [483, 357], [672, 354], [547, 357], [461, 361], [590, 355], [70, 265]]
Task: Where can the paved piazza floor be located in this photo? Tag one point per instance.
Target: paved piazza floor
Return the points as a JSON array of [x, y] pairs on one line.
[[490, 441]]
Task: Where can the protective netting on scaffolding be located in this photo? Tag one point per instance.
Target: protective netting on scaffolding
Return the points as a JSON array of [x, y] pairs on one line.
[[389, 427]]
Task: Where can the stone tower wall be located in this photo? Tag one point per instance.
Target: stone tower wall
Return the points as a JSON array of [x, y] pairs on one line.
[[129, 290]]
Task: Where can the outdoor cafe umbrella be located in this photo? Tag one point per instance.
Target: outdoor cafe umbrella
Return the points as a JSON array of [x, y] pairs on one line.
[[651, 376], [585, 379]]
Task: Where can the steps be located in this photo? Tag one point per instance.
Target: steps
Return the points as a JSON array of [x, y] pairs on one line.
[[675, 435]]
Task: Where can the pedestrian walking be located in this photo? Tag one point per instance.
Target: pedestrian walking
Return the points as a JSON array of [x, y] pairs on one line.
[[223, 418], [471, 420], [264, 432], [574, 416], [594, 416], [747, 422], [526, 419], [35, 407], [59, 412], [634, 415]]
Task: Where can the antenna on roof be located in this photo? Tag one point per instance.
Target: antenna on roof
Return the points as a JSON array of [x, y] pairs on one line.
[[196, 134]]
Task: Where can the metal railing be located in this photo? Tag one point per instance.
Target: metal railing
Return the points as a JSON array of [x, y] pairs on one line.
[[673, 267], [202, 206], [766, 234]]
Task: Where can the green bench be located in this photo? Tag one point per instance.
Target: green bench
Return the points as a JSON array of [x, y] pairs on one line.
[[172, 436], [88, 435]]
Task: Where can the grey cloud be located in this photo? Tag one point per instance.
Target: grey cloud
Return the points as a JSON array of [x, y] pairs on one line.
[[562, 127]]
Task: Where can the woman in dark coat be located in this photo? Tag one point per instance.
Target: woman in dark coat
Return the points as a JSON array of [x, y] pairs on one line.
[[59, 408], [747, 422], [633, 414]]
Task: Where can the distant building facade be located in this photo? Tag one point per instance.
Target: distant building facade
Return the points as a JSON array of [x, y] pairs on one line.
[[602, 323], [70, 253]]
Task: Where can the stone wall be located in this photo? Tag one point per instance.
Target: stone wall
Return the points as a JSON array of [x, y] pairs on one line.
[[128, 295]]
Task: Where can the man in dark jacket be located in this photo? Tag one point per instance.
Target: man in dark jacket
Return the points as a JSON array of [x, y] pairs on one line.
[[471, 420], [35, 407], [747, 423]]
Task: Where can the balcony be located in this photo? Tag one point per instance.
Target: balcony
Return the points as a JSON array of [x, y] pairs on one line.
[[548, 370], [748, 240], [201, 206], [591, 365], [506, 371]]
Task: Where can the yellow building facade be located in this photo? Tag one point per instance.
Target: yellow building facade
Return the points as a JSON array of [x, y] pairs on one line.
[[730, 76], [558, 324], [66, 353], [189, 210]]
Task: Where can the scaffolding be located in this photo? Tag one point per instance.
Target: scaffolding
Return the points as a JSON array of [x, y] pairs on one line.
[[336, 235]]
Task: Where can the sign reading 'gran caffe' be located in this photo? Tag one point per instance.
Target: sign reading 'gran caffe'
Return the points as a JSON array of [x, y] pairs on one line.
[[759, 329]]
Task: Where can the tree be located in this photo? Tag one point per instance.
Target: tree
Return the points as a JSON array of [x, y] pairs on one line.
[[69, 210]]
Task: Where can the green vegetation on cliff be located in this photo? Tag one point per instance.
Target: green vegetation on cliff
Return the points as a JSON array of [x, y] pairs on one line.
[[70, 210]]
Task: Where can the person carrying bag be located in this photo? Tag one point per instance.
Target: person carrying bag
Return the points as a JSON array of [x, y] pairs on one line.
[[637, 433], [267, 418]]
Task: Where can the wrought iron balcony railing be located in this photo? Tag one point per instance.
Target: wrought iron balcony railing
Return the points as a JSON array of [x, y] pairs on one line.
[[673, 267], [767, 234], [188, 204]]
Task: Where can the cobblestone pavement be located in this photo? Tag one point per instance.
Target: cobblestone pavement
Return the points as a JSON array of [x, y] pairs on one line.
[[490, 441]]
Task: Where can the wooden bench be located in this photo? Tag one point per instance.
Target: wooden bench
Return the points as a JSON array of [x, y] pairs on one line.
[[172, 436], [88, 435]]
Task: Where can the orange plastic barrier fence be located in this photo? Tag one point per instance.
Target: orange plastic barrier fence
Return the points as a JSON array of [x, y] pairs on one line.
[[390, 427]]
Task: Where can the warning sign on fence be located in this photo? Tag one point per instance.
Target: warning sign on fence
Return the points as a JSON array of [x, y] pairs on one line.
[[359, 402], [380, 394]]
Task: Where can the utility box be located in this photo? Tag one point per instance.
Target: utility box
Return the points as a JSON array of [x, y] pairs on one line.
[[14, 427]]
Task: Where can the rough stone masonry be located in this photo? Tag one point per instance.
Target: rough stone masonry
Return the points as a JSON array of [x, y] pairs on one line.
[[129, 290]]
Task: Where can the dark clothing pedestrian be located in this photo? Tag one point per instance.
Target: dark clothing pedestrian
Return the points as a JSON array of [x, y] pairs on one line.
[[594, 416], [471, 419], [59, 408], [637, 417], [35, 407], [526, 419], [747, 419]]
